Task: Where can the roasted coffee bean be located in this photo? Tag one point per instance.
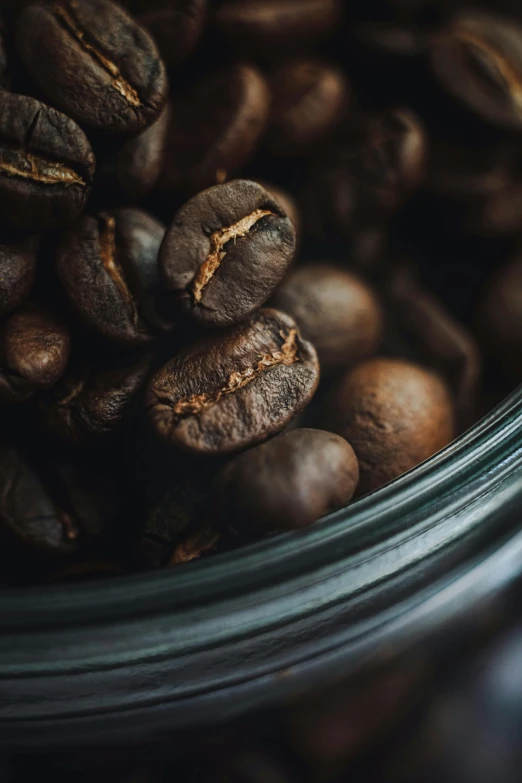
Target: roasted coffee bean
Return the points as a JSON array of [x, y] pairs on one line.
[[272, 28], [226, 251], [308, 98], [364, 179], [335, 310], [288, 483], [91, 403], [107, 264], [52, 508], [478, 60], [175, 25], [216, 128], [236, 388], [395, 414], [46, 166], [287, 203], [131, 172], [34, 350], [94, 62], [17, 271]]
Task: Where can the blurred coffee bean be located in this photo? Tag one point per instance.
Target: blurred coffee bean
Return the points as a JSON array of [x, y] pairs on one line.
[[91, 403], [288, 483], [478, 60], [225, 252], [235, 388], [395, 414], [273, 28], [17, 270], [215, 129], [46, 166], [308, 99], [392, 39], [335, 310], [107, 264], [94, 62], [34, 350], [175, 25]]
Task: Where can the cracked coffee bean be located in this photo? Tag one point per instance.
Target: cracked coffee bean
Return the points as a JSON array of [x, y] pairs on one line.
[[94, 62], [107, 264], [395, 414], [17, 271], [215, 129], [46, 166], [91, 403], [287, 483], [34, 350], [225, 252], [236, 388], [335, 310]]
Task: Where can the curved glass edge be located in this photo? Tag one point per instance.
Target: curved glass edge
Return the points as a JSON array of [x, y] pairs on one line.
[[474, 464]]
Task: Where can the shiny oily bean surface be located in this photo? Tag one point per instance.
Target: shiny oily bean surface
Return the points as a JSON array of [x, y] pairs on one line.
[[395, 414], [226, 251], [46, 166], [17, 271], [34, 350], [236, 388], [95, 62], [287, 483]]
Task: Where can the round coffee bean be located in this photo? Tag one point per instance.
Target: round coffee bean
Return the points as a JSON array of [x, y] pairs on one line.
[[272, 28], [335, 310], [94, 62], [236, 388], [216, 129], [308, 100], [478, 60], [226, 251], [288, 483], [395, 414], [175, 25], [91, 403], [34, 350], [17, 271], [107, 264], [46, 166]]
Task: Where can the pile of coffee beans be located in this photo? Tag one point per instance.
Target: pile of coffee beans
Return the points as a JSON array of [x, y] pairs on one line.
[[257, 258]]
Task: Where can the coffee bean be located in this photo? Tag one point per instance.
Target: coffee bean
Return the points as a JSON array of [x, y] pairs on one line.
[[34, 350], [94, 62], [17, 271], [226, 251], [288, 483], [478, 60], [273, 28], [395, 414], [91, 403], [236, 388], [335, 310], [46, 166], [308, 100], [107, 264], [175, 25], [286, 201], [216, 128]]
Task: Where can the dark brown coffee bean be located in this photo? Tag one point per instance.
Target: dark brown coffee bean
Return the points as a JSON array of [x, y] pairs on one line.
[[34, 350], [288, 483], [335, 310], [463, 172], [395, 414], [175, 25], [131, 172], [46, 166], [107, 264], [308, 100], [94, 62], [216, 128], [272, 28], [17, 271], [91, 403], [478, 60], [226, 251], [235, 388]]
